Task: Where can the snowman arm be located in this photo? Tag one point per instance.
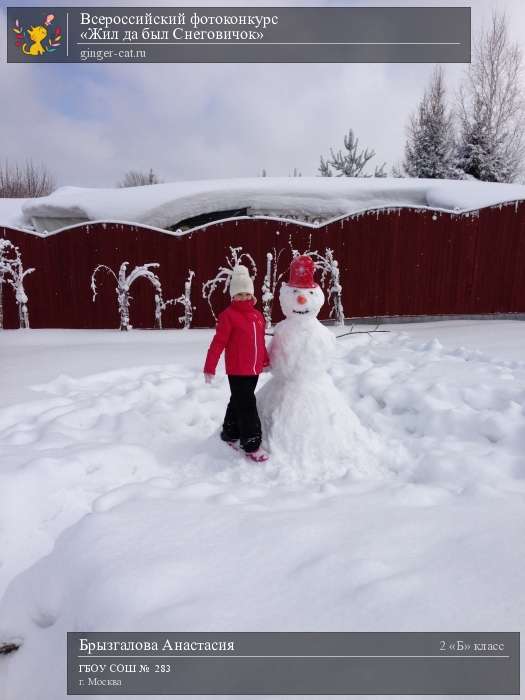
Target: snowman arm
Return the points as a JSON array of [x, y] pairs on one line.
[[217, 345]]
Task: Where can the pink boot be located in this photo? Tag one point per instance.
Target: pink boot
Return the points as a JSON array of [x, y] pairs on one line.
[[258, 456]]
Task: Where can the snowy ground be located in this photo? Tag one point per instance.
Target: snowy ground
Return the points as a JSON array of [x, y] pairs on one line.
[[120, 510]]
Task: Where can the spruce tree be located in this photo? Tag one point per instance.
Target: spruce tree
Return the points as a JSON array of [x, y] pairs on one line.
[[429, 150], [351, 163]]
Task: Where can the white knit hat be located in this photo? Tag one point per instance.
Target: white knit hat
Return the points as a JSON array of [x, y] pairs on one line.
[[240, 282]]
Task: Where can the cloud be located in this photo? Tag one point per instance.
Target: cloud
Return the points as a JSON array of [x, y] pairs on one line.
[[91, 123]]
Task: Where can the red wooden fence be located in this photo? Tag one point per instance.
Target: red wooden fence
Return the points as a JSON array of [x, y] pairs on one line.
[[392, 262]]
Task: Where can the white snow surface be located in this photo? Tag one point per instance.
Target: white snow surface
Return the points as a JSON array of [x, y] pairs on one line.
[[120, 509], [313, 199], [11, 212]]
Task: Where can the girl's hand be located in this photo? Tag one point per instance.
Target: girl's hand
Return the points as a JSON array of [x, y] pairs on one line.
[[208, 378]]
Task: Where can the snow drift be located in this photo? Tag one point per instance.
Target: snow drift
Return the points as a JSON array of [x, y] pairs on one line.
[[313, 200]]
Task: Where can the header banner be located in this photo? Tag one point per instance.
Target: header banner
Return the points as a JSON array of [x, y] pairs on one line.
[[238, 35]]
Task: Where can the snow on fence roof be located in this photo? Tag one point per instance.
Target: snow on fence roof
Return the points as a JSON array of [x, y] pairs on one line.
[[311, 199], [11, 212]]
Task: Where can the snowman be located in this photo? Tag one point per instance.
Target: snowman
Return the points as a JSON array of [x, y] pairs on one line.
[[308, 425]]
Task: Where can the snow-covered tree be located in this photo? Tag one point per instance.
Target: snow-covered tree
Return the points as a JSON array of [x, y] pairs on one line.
[[224, 274], [397, 170], [270, 282], [124, 283], [4, 269], [430, 147], [296, 251], [12, 272], [324, 168], [480, 153], [185, 300], [330, 277], [351, 163], [267, 293], [491, 108]]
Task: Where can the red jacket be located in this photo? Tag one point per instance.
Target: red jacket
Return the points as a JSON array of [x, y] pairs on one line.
[[240, 331]]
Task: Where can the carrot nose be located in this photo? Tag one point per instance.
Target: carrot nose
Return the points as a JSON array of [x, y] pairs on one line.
[[301, 299]]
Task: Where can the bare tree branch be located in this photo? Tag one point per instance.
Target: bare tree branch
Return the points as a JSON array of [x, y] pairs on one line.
[[27, 180], [136, 178], [491, 107]]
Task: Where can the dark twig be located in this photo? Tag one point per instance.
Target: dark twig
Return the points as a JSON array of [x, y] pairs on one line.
[[352, 332], [357, 333]]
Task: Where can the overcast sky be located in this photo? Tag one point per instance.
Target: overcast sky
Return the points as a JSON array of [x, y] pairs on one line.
[[91, 123]]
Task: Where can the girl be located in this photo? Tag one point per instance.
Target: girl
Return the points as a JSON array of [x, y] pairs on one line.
[[240, 332]]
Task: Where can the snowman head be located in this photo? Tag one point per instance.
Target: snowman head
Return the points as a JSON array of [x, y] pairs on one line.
[[301, 297], [300, 303]]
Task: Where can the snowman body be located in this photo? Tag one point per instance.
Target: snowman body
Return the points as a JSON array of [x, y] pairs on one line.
[[301, 350], [308, 425]]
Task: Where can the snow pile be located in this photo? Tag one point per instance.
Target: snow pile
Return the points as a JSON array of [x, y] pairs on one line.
[[309, 199], [11, 212], [468, 195], [459, 413], [121, 510]]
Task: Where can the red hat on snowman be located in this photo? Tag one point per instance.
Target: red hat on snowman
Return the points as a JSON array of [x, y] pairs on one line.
[[302, 270]]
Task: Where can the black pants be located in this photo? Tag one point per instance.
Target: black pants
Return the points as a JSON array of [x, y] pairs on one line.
[[242, 420]]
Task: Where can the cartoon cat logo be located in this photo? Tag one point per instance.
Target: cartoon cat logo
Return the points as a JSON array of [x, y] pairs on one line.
[[32, 41]]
